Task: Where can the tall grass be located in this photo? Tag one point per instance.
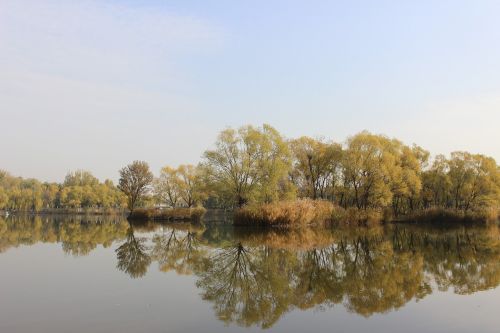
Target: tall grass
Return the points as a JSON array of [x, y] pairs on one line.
[[174, 214], [285, 213]]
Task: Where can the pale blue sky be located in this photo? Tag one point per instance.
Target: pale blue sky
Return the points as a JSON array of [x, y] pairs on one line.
[[97, 84]]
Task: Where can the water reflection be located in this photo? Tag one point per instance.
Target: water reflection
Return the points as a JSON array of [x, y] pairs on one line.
[[79, 235], [133, 257], [253, 277]]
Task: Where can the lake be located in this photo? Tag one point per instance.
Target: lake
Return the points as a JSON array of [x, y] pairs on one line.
[[102, 274]]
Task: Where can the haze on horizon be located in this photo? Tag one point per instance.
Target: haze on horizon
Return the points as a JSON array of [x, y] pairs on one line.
[[96, 84]]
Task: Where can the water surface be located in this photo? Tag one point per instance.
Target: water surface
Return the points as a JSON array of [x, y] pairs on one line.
[[101, 274]]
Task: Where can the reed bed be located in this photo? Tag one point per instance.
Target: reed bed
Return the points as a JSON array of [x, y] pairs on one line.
[[173, 214], [301, 212]]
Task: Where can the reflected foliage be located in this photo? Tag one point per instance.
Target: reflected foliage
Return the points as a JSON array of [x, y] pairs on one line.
[[78, 235], [178, 248], [132, 256], [254, 277]]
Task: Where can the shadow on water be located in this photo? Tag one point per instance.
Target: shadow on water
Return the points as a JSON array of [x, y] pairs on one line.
[[253, 276]]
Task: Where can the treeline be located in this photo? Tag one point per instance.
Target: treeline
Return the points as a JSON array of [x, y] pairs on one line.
[[252, 165], [258, 165], [80, 190]]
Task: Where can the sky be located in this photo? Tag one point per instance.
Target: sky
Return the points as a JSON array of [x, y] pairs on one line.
[[96, 84]]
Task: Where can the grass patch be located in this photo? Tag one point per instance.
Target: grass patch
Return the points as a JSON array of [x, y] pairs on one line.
[[173, 214]]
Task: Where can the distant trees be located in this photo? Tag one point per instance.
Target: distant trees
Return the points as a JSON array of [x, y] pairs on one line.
[[79, 190], [134, 182]]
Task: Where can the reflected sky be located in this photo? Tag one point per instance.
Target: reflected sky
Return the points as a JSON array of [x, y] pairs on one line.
[[98, 274]]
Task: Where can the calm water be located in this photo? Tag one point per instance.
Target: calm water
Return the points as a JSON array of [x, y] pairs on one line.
[[74, 274]]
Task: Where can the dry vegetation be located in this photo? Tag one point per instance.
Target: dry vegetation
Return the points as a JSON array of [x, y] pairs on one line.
[[306, 212], [285, 213], [172, 214]]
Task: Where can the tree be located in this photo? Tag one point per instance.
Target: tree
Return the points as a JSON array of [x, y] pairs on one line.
[[191, 191], [249, 164], [167, 186], [4, 198], [436, 183], [134, 181], [80, 178], [316, 166], [474, 180], [367, 168]]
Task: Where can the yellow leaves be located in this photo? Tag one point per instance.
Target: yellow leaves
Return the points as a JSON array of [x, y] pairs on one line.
[[182, 186], [249, 164]]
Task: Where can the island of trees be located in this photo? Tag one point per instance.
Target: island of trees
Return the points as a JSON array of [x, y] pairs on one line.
[[270, 179]]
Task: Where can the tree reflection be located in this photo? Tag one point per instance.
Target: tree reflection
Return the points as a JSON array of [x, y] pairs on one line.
[[178, 248], [133, 257], [372, 272], [247, 286], [78, 235]]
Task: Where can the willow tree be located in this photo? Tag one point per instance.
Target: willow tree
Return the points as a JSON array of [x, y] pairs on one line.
[[316, 166], [367, 169], [180, 186], [80, 178], [167, 187], [135, 180], [406, 175], [249, 164], [436, 183], [474, 180]]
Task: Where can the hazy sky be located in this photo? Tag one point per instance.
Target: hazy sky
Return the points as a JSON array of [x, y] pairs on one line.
[[96, 84]]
